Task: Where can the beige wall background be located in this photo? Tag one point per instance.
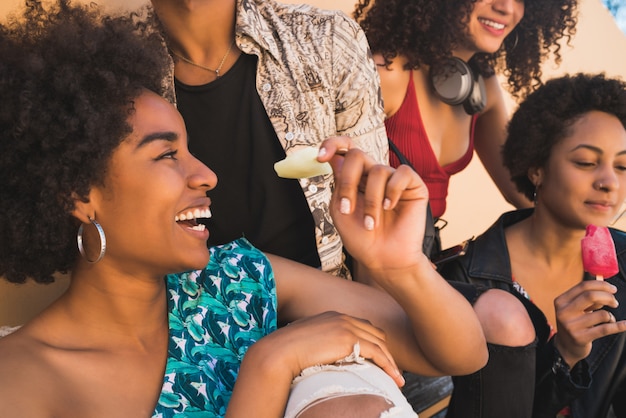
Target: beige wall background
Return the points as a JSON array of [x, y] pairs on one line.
[[474, 202]]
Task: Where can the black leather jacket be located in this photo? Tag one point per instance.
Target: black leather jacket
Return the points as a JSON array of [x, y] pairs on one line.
[[594, 384]]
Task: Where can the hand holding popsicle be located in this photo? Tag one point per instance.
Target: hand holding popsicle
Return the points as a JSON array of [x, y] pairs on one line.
[[580, 315], [598, 251]]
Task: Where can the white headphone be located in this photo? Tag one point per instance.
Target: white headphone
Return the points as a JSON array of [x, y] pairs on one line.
[[457, 84]]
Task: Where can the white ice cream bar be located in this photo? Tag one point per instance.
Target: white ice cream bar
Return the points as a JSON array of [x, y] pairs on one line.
[[302, 164]]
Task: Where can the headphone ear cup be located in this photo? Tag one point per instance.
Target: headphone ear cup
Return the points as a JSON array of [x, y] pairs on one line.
[[453, 83], [477, 99]]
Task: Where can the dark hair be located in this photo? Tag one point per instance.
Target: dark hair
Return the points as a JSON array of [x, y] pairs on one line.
[[68, 77], [545, 118], [426, 32]]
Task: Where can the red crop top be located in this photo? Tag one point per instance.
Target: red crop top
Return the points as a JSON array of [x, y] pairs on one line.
[[406, 129]]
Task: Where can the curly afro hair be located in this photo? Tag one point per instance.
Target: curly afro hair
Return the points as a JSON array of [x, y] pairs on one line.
[[68, 77], [426, 32], [546, 116]]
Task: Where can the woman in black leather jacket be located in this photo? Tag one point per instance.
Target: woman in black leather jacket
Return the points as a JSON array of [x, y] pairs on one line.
[[567, 151]]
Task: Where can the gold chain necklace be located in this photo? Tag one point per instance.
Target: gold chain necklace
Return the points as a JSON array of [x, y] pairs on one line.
[[219, 67]]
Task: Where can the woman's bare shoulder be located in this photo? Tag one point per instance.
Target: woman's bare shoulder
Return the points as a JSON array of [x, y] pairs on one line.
[[14, 344], [22, 356], [394, 79], [25, 380]]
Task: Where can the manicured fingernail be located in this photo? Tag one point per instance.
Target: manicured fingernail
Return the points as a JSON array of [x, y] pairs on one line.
[[401, 377], [386, 204], [369, 223], [344, 206], [322, 152]]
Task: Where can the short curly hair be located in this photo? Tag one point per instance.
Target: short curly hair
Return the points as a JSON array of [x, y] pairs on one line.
[[546, 116], [426, 32], [68, 77]]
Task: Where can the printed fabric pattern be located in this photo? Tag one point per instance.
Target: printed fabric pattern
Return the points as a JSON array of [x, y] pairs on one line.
[[215, 315], [308, 85]]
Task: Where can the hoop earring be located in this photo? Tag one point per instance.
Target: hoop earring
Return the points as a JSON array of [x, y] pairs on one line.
[[103, 241], [535, 194]]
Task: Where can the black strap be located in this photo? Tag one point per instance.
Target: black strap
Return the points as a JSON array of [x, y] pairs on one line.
[[431, 244], [401, 157]]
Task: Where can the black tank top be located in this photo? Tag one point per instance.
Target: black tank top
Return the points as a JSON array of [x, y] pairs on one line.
[[230, 132]]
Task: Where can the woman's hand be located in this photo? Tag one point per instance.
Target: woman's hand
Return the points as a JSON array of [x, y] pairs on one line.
[[271, 364], [325, 339], [379, 211], [580, 320]]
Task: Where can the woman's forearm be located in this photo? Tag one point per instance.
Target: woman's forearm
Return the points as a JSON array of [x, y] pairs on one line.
[[441, 318], [262, 385]]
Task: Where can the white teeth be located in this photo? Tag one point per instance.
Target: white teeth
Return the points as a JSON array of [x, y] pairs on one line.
[[491, 23], [199, 227], [202, 213], [196, 214]]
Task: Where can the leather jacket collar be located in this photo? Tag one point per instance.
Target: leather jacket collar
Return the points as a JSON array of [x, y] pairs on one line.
[[498, 266]]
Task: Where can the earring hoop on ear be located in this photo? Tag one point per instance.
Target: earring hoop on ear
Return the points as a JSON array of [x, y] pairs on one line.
[[103, 241]]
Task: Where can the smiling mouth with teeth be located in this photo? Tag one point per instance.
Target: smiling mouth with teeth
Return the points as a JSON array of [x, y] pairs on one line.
[[190, 218], [495, 25]]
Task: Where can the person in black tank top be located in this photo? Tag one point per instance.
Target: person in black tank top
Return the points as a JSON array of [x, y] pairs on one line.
[[226, 118], [257, 80]]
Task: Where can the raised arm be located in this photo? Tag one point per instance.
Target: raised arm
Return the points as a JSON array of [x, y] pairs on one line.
[[380, 214]]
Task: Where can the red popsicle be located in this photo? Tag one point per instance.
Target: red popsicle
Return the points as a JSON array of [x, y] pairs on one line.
[[598, 249]]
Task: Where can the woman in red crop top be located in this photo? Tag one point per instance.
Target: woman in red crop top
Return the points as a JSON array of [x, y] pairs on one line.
[[424, 89]]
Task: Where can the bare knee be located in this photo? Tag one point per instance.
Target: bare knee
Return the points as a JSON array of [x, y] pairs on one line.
[[504, 319], [351, 406]]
